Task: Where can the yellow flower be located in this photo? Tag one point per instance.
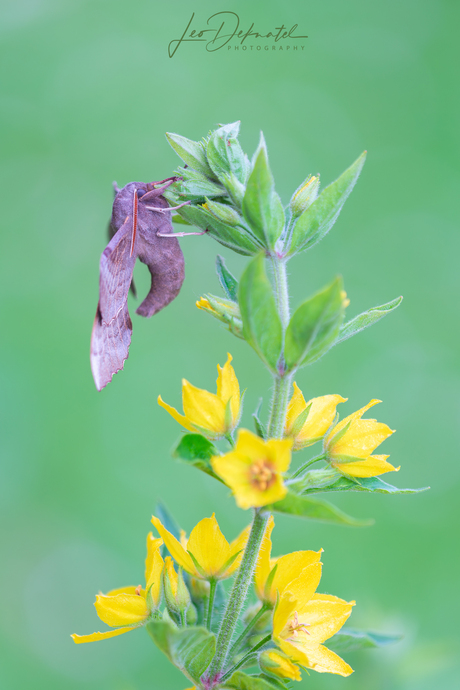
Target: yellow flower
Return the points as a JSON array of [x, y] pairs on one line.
[[210, 414], [278, 664], [350, 443], [302, 621], [206, 554], [319, 418], [128, 608], [253, 470], [274, 575]]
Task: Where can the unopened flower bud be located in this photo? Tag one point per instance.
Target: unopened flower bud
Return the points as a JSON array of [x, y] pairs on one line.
[[176, 593], [226, 214], [277, 664], [305, 195]]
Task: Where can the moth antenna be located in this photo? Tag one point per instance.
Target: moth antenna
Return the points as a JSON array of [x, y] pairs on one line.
[[133, 238], [172, 179], [180, 234], [116, 188], [171, 208]]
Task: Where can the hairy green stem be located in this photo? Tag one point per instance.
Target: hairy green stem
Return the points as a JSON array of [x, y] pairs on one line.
[[212, 591], [246, 657], [307, 464], [238, 594], [248, 629], [282, 380]]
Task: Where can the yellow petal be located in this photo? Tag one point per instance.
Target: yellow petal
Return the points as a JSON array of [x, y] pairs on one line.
[[171, 575], [125, 590], [175, 414], [228, 388], [323, 616], [263, 566], [121, 609], [209, 546], [283, 613], [175, 548], [153, 568], [317, 658], [320, 418], [236, 545], [95, 637], [202, 408], [296, 406], [302, 586], [370, 467], [279, 665], [279, 452], [350, 419], [203, 303], [363, 436]]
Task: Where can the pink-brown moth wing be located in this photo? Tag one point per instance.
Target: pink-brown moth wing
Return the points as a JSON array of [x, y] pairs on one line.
[[112, 327]]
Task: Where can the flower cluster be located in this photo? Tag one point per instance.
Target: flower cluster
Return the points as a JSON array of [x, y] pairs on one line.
[[256, 469]]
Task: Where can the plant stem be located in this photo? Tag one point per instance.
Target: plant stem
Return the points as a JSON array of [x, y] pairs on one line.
[[307, 464], [282, 380], [182, 619], [246, 657], [212, 591], [238, 594], [248, 629]]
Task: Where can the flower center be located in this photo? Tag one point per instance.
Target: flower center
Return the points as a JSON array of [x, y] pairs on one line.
[[295, 627], [262, 474]]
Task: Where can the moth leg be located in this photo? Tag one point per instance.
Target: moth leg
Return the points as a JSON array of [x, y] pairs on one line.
[[170, 208], [180, 234]]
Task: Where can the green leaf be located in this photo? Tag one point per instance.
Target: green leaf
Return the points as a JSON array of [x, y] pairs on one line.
[[366, 319], [318, 219], [196, 450], [225, 155], [191, 152], [261, 322], [314, 326], [233, 238], [260, 426], [189, 649], [348, 640], [226, 279], [372, 484], [167, 519], [194, 187], [242, 681], [311, 508], [262, 207]]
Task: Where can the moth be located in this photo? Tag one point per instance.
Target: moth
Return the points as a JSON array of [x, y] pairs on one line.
[[140, 228]]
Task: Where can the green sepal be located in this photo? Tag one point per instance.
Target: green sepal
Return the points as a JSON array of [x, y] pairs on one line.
[[193, 187], [260, 427], [191, 152], [369, 484], [262, 207], [261, 322], [300, 506], [304, 195], [196, 450], [300, 421], [242, 681], [318, 219], [225, 213], [314, 326], [233, 238], [347, 640], [277, 683], [179, 220], [225, 155], [228, 282], [269, 581], [366, 319], [188, 649]]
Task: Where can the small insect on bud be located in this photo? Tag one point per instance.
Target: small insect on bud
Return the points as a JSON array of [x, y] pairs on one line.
[[305, 195]]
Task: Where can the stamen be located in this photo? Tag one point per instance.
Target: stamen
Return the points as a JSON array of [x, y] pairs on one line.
[[262, 474], [295, 627], [138, 590]]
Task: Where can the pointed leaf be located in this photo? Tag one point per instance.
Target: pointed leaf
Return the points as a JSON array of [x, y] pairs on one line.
[[226, 279], [194, 187], [261, 322], [261, 205], [366, 319], [191, 152], [311, 508], [225, 155], [318, 219], [189, 649], [372, 484], [348, 640], [314, 326], [196, 450], [167, 519]]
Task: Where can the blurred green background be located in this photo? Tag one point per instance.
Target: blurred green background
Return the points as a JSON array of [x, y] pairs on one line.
[[87, 92]]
